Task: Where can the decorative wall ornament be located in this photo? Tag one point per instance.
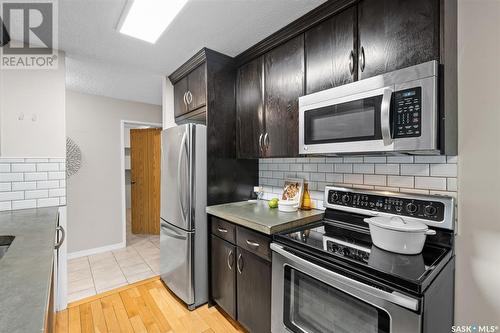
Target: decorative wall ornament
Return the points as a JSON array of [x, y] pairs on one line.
[[73, 157]]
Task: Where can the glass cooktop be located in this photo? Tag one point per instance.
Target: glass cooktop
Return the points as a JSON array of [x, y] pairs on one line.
[[354, 247]]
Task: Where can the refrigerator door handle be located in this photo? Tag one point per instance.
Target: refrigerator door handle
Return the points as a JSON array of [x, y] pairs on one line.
[[170, 231], [179, 185]]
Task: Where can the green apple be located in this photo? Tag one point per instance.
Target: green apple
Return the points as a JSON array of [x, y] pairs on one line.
[[273, 203]]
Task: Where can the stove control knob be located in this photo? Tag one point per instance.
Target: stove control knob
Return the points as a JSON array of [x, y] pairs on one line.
[[398, 209], [335, 196], [346, 198], [430, 210], [411, 208]]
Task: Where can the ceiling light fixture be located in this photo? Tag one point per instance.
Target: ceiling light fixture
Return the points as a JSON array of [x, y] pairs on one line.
[[148, 19]]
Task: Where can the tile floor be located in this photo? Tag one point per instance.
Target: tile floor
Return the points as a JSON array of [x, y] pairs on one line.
[[88, 276]]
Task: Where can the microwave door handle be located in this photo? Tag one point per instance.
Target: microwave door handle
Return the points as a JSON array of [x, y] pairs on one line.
[[385, 116]]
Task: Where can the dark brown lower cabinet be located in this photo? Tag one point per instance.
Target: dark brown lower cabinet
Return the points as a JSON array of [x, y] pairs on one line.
[[240, 274], [223, 275], [254, 292]]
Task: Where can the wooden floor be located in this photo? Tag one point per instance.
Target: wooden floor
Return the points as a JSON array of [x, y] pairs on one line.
[[146, 306]]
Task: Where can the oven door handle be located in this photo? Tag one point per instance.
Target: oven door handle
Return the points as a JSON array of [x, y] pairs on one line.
[[393, 297], [385, 116]]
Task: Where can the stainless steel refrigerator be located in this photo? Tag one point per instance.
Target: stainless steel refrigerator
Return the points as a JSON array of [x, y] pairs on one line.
[[183, 223]]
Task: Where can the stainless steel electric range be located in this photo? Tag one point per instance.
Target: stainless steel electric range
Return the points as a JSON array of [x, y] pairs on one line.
[[329, 277]]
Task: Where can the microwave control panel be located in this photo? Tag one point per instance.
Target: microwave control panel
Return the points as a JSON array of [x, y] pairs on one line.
[[407, 116]]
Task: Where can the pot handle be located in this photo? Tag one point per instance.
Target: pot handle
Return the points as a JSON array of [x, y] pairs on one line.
[[430, 232]]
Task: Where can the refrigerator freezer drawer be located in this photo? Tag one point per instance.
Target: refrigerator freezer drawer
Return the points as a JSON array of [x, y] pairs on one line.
[[176, 264]]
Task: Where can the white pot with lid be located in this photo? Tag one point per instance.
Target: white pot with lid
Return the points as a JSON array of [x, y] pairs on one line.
[[398, 235]]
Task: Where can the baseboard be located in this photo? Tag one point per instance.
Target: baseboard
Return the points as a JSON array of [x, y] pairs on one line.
[[96, 250]]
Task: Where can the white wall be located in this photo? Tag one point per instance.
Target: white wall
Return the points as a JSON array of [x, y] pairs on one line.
[[94, 193], [478, 243], [38, 98], [168, 103]]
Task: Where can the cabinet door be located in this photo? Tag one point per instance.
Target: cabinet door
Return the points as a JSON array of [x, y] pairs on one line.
[[250, 108], [197, 87], [180, 89], [330, 52], [284, 83], [254, 292], [223, 275], [394, 34]]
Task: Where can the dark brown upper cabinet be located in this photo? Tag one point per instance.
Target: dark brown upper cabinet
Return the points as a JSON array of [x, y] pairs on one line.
[[394, 34], [250, 109], [190, 93], [284, 83], [331, 57]]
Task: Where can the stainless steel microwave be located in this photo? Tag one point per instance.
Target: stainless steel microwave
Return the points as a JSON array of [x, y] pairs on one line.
[[393, 112]]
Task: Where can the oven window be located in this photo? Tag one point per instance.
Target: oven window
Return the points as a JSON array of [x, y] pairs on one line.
[[314, 307], [351, 121]]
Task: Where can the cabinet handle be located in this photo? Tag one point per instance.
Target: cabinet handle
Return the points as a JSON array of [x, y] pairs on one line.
[[238, 265], [260, 142], [251, 243], [229, 260], [222, 230], [351, 62], [362, 59], [266, 141], [189, 97]]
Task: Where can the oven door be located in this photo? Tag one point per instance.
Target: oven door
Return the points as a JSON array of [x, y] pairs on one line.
[[310, 298], [354, 123]]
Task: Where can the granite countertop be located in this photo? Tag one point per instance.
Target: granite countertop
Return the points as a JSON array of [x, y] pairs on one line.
[[259, 217], [26, 268]]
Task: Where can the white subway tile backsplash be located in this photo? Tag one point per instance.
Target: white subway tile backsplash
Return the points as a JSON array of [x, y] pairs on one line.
[[353, 159], [444, 170], [343, 168], [451, 185], [32, 182], [400, 159], [11, 177], [57, 175], [387, 169], [48, 202], [375, 159], [353, 178], [5, 205], [37, 194], [310, 167], [400, 181], [5, 187], [36, 160], [379, 180], [23, 204], [23, 186], [325, 167], [334, 178], [431, 183], [414, 169], [411, 174], [35, 176], [9, 196], [57, 192], [12, 160], [430, 159], [47, 167], [23, 167], [47, 184], [363, 168]]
